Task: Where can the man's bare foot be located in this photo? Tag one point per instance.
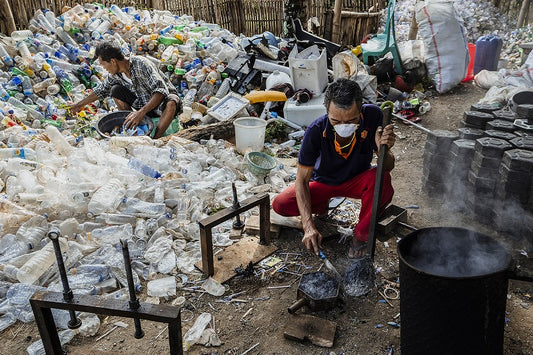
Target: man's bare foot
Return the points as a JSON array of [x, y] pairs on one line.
[[357, 249]]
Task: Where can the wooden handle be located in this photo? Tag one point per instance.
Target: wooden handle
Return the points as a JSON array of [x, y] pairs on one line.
[[297, 305]]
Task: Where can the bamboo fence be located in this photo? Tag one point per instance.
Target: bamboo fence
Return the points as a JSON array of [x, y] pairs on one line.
[[358, 17]]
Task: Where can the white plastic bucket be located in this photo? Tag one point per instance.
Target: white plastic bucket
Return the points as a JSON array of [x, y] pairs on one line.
[[249, 134]]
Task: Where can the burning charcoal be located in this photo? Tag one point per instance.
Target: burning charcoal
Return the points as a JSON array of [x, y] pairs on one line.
[[523, 142], [501, 125], [487, 108], [470, 133], [496, 133], [492, 147], [477, 119]]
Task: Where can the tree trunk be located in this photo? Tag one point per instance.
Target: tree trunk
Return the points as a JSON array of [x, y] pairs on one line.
[[220, 130]]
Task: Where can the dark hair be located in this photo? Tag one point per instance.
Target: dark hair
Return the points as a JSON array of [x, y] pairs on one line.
[[108, 50], [343, 93]]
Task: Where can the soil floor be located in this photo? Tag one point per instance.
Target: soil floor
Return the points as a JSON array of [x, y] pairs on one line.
[[256, 321]]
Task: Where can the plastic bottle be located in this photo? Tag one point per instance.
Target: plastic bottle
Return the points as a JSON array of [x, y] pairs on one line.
[[36, 115], [21, 35], [4, 96], [5, 57], [24, 153], [120, 274], [90, 323], [143, 168], [40, 262], [60, 144], [37, 348], [33, 231], [105, 286], [60, 32], [189, 98], [112, 235], [107, 197], [195, 332], [163, 287], [86, 275], [115, 218], [140, 208], [6, 321]]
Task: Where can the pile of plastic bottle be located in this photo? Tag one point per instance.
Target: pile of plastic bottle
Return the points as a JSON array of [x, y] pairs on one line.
[[51, 65], [54, 173]]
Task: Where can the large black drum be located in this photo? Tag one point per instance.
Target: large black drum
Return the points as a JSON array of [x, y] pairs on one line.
[[453, 286]]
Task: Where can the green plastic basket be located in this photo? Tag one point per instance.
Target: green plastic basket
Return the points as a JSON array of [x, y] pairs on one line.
[[260, 163]]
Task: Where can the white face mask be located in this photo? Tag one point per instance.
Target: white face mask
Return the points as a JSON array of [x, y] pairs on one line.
[[345, 129]]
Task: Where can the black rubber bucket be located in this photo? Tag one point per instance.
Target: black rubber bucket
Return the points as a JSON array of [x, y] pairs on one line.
[[110, 121], [453, 286]]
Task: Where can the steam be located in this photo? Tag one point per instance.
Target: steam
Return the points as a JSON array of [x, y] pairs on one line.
[[454, 252]]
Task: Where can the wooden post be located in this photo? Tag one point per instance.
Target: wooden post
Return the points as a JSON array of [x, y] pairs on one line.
[[337, 18], [5, 12], [523, 12], [414, 28]]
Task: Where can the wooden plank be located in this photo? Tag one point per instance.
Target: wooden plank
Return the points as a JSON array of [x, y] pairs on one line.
[[289, 222], [8, 21], [239, 254], [320, 332], [252, 227]]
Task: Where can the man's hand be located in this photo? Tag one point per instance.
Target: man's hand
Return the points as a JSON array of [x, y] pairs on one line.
[[75, 108], [312, 240], [385, 136], [133, 119]]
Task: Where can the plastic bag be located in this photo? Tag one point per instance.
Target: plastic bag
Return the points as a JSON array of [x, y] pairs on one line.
[[445, 44]]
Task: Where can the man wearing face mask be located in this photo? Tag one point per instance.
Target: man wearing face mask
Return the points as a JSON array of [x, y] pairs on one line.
[[334, 161]]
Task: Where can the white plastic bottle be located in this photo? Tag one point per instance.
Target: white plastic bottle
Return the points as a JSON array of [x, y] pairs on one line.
[[39, 263], [59, 142], [107, 197], [193, 335]]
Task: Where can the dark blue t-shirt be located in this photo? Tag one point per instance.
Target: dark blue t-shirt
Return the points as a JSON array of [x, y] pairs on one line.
[[318, 148]]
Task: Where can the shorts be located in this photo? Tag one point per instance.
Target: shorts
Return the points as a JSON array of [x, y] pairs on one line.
[[124, 94]]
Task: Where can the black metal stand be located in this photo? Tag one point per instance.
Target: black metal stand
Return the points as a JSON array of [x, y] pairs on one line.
[[42, 303]]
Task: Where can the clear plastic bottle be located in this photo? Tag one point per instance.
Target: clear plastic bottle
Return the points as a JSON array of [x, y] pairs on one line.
[[5, 57], [116, 218], [33, 231], [58, 141], [24, 153], [195, 332], [120, 274], [224, 88], [6, 321], [140, 208], [40, 262], [143, 168], [189, 98], [20, 293], [140, 229], [21, 35], [107, 198], [112, 235], [37, 348], [163, 287]]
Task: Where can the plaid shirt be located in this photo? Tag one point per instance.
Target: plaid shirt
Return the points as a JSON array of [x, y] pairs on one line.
[[146, 80]]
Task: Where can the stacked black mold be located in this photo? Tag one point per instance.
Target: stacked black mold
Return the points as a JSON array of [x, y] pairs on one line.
[[436, 170], [515, 170], [461, 155], [484, 175]]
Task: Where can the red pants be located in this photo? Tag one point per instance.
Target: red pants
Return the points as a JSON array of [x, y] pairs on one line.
[[359, 187]]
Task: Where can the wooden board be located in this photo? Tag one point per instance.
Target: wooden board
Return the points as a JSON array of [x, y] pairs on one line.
[[290, 222], [252, 227], [318, 331], [238, 254]]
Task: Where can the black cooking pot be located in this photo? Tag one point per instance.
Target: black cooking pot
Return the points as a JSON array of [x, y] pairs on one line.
[[453, 285]]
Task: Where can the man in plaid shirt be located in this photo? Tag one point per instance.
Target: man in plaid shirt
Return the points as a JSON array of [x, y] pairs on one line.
[[134, 83]]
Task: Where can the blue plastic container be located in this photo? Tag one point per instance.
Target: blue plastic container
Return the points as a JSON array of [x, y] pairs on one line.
[[488, 50]]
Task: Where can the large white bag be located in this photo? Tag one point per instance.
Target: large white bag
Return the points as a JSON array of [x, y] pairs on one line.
[[446, 48]]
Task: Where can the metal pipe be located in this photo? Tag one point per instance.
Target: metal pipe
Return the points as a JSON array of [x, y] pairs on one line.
[[54, 234], [134, 302], [413, 124], [237, 224]]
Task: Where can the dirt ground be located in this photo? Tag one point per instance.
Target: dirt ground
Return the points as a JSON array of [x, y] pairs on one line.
[[258, 320]]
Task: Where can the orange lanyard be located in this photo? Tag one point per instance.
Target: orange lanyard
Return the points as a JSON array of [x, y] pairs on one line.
[[339, 150]]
